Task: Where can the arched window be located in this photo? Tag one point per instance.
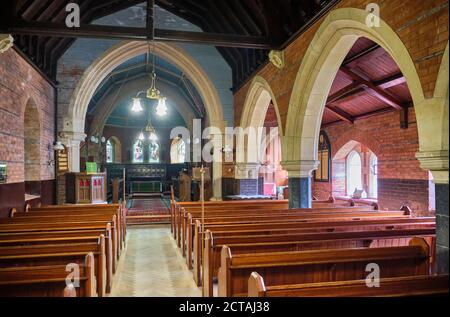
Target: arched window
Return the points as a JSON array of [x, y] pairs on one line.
[[322, 174], [153, 151], [110, 151], [354, 173], [138, 152], [178, 151], [373, 178]]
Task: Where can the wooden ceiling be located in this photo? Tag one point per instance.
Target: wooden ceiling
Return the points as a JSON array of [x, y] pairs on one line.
[[243, 30], [368, 83]]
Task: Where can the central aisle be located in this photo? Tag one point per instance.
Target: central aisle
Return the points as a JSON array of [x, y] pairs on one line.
[[152, 266]]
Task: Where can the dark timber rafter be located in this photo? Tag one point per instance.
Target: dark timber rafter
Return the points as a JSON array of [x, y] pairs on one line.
[[242, 30]]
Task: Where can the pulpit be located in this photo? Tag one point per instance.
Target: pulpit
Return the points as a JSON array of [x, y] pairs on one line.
[[83, 188]]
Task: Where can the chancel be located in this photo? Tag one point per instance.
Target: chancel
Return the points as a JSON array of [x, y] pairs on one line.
[[246, 148]]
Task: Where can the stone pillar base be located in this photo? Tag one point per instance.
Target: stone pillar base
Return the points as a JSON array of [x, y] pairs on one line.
[[442, 228], [300, 193]]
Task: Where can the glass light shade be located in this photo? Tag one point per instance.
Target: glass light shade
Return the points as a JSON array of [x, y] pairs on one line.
[[161, 109], [153, 137], [137, 107], [141, 137]]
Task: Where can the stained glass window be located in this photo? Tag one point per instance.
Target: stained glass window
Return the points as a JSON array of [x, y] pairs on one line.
[[109, 152], [154, 152], [138, 152], [322, 174]]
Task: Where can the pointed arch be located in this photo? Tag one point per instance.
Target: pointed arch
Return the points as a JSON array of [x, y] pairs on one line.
[[334, 39]]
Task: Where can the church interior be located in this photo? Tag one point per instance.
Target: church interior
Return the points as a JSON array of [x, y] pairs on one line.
[[226, 148]]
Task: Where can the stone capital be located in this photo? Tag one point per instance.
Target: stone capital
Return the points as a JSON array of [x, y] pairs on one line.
[[300, 169], [437, 163], [6, 42], [70, 138], [247, 170]]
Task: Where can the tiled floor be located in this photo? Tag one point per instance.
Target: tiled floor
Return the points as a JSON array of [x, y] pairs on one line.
[[152, 266]]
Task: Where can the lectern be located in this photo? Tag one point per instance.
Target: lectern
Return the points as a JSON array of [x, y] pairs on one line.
[[83, 188]]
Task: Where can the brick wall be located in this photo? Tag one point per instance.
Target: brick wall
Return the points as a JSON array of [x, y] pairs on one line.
[[20, 85], [421, 25], [400, 178]]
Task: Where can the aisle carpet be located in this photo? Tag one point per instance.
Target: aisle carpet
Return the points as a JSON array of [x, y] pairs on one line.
[[148, 210]]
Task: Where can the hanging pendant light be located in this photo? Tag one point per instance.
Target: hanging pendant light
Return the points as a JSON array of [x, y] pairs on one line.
[[137, 107], [161, 109]]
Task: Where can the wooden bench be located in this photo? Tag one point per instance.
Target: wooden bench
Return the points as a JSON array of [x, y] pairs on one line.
[[301, 242], [319, 266], [188, 220], [47, 281], [65, 240], [261, 230], [294, 215], [40, 255], [119, 210], [64, 226], [424, 285]]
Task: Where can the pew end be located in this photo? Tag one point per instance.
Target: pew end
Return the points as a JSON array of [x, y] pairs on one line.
[[224, 275], [256, 286], [70, 291], [407, 210], [12, 212]]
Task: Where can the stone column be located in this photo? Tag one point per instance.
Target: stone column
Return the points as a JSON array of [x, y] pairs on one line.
[[299, 175], [72, 141], [246, 176], [216, 136], [437, 163]]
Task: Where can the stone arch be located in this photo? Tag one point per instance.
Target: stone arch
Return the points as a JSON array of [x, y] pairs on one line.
[[355, 136], [257, 102], [123, 52], [334, 39], [32, 142]]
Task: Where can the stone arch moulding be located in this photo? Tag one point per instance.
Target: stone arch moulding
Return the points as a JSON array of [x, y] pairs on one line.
[[256, 103], [122, 52], [325, 54]]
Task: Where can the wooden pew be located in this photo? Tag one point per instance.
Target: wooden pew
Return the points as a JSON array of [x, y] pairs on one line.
[[424, 285], [187, 235], [301, 242], [40, 255], [314, 266], [282, 228], [188, 218], [181, 212], [46, 281], [118, 209], [69, 217], [64, 226], [62, 238]]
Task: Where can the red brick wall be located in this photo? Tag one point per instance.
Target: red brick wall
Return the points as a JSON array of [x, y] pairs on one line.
[[421, 25], [19, 83], [400, 178]]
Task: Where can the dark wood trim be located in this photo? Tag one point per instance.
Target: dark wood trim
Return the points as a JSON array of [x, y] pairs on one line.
[[140, 34]]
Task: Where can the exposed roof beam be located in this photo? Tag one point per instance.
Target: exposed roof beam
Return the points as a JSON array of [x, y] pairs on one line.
[[140, 34], [372, 89], [341, 114]]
